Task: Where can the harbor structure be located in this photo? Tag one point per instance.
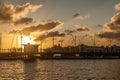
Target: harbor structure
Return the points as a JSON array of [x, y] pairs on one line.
[[30, 48]]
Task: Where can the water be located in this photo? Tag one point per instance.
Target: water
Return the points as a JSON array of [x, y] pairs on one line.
[[60, 70]]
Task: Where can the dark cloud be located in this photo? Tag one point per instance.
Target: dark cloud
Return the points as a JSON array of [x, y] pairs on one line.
[[10, 14], [6, 13], [80, 29], [109, 35], [77, 16], [48, 26], [24, 20], [56, 34], [69, 32], [40, 27], [50, 34], [83, 29]]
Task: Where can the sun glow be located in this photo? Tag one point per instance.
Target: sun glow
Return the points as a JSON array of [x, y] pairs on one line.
[[26, 40]]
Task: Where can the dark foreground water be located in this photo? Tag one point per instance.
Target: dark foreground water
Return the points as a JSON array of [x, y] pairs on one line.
[[60, 70]]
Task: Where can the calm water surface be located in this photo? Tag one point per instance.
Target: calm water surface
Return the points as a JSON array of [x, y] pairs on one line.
[[60, 70]]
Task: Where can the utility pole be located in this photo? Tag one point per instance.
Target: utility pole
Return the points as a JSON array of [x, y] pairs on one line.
[[17, 42], [0, 41], [81, 38], [53, 40], [41, 46], [109, 42], [61, 41], [75, 41], [94, 41]]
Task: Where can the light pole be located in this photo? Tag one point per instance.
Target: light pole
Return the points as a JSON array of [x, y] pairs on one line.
[[93, 39], [0, 41], [21, 40]]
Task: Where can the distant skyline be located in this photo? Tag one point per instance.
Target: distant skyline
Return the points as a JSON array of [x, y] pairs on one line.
[[40, 19]]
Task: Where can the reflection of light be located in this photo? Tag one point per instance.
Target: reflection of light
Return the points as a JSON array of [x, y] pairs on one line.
[[26, 40]]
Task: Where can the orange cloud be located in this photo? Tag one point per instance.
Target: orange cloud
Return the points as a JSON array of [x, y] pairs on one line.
[[40, 27], [117, 6]]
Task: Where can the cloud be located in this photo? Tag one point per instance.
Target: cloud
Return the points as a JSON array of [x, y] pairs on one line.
[[83, 29], [117, 6], [79, 16], [40, 27], [114, 24], [10, 14], [78, 29], [14, 32], [23, 10], [24, 20], [50, 34], [6, 13], [69, 32], [111, 29], [110, 35]]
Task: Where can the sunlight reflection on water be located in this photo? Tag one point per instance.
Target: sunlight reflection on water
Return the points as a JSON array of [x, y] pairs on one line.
[[60, 70]]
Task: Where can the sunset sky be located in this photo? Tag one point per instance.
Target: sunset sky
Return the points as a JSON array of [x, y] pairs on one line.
[[41, 19]]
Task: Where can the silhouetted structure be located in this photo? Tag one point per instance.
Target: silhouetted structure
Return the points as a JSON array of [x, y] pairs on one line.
[[30, 48], [83, 48], [0, 40]]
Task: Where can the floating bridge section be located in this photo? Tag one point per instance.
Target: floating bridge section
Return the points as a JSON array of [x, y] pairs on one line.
[[16, 55], [58, 55], [80, 55]]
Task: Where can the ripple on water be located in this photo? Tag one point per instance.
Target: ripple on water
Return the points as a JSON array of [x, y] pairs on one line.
[[60, 70]]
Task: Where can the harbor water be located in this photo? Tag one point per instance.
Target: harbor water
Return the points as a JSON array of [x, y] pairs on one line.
[[60, 69]]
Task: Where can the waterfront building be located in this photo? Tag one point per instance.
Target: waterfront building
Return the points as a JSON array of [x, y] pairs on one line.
[[115, 48], [84, 48], [94, 49]]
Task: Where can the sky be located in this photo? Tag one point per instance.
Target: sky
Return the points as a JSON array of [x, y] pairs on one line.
[[63, 19]]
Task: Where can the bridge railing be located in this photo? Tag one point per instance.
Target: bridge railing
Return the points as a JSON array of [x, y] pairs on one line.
[[10, 50]]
